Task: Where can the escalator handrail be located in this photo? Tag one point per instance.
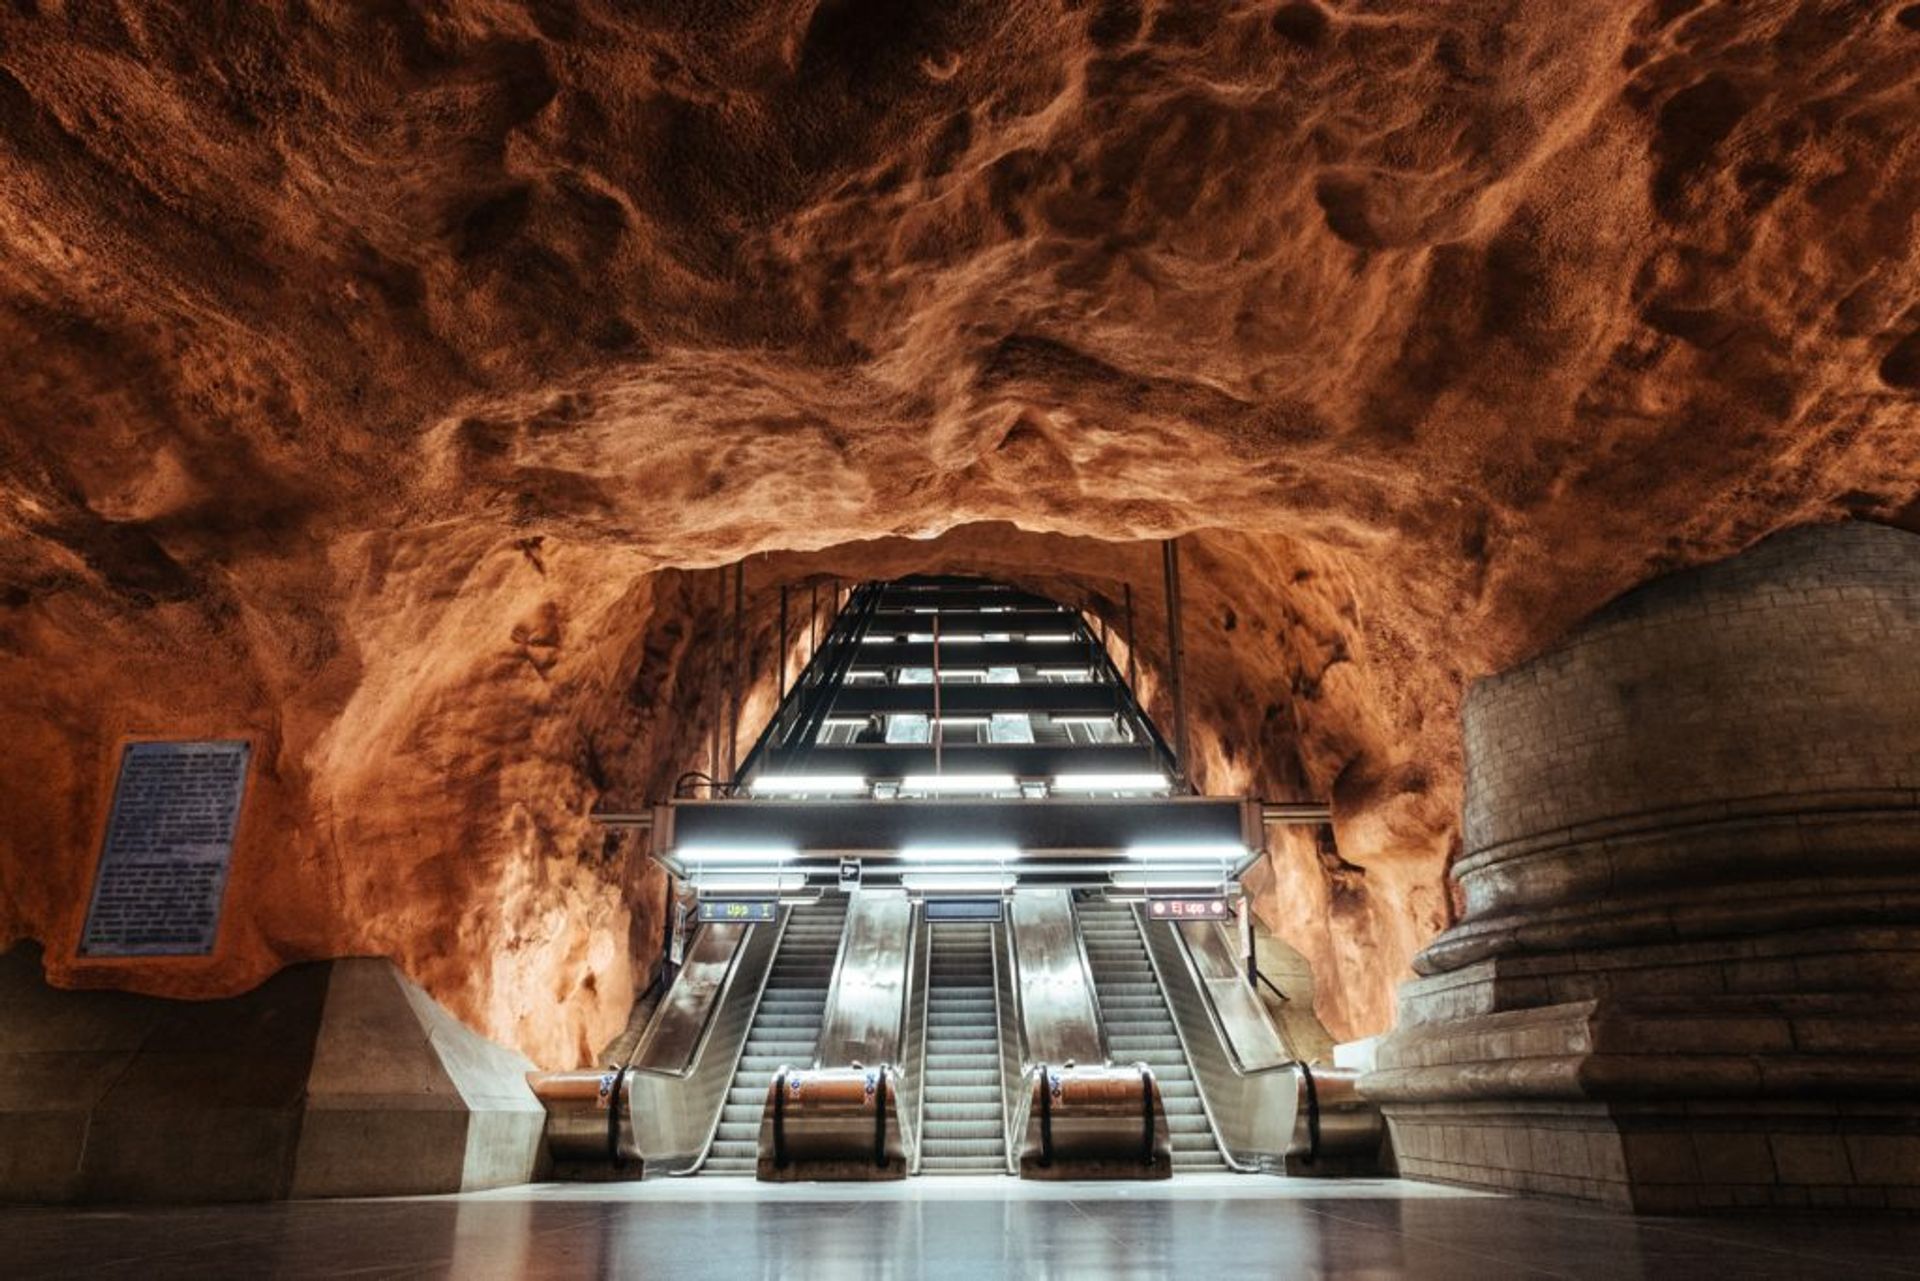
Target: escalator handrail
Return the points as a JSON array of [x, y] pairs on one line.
[[1213, 1013], [909, 1123], [707, 1021], [1227, 1154], [1013, 1112], [733, 1070], [922, 974]]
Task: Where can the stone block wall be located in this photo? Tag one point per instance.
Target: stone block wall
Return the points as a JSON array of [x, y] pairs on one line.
[[1685, 975]]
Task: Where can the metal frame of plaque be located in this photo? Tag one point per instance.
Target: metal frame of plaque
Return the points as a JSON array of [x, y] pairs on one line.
[[162, 874]]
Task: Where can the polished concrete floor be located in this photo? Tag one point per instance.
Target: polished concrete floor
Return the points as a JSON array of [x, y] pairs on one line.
[[1199, 1228]]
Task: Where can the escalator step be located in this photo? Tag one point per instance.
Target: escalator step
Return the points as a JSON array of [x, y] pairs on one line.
[[1140, 1028]]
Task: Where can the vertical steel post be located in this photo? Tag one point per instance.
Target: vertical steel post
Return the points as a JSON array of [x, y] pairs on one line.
[[780, 646], [939, 733], [716, 692], [734, 665], [1176, 659], [1133, 650]]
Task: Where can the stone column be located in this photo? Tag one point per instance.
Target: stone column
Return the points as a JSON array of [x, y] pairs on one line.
[[1688, 973]]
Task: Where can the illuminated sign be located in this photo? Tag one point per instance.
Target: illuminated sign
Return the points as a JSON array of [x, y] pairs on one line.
[[1189, 909], [753, 911]]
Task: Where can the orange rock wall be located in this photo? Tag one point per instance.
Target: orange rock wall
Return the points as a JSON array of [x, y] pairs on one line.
[[386, 382]]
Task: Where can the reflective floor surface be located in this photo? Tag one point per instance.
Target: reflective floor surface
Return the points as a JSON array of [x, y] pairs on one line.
[[1198, 1227]]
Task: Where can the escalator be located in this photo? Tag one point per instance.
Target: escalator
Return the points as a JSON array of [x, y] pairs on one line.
[[785, 1029], [987, 1048], [962, 1128], [1140, 1028]]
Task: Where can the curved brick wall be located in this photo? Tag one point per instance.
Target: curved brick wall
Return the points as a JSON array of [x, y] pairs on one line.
[[1755, 720], [1793, 668], [1685, 976]]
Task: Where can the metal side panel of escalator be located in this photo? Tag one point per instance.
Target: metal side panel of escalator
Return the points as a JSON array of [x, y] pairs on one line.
[[785, 1029]]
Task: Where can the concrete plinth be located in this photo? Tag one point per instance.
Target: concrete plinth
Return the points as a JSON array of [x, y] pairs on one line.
[[337, 1078], [404, 1098], [1686, 975]]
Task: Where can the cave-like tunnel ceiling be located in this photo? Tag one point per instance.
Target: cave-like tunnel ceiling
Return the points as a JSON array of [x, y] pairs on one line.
[[376, 378]]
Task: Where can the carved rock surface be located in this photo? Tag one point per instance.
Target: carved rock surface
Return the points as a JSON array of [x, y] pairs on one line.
[[381, 380]]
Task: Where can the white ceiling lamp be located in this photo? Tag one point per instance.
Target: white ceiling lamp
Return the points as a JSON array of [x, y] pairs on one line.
[[1192, 883], [1111, 783], [960, 853], [1188, 852], [735, 883], [957, 883], [810, 784], [958, 784], [706, 855]]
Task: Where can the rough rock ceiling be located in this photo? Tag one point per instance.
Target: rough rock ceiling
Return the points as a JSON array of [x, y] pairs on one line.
[[368, 369]]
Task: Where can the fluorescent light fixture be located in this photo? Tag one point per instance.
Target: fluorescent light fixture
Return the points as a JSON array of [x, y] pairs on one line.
[[1077, 673], [975, 784], [809, 784], [1108, 719], [960, 853], [705, 854], [1049, 638], [962, 883], [1110, 783], [1195, 883], [728, 885], [1192, 852], [966, 720]]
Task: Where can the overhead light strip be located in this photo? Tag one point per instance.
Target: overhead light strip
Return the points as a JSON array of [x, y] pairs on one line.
[[958, 784], [1111, 783], [809, 784]]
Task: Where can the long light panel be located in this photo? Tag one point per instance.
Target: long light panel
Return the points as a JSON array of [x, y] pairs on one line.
[[960, 853], [957, 882], [1111, 783], [1200, 852], [958, 784], [1170, 881], [709, 854], [810, 785]]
